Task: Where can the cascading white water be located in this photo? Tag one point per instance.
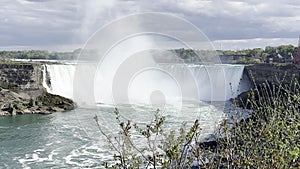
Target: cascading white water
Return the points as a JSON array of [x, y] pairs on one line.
[[208, 75], [61, 78]]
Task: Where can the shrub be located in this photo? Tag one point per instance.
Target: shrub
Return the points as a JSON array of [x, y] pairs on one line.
[[269, 138], [161, 150]]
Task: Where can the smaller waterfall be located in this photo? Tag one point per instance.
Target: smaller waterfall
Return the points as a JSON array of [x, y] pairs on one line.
[[61, 79], [46, 79]]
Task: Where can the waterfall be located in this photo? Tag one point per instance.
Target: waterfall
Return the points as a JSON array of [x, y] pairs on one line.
[[61, 79], [232, 78], [211, 80]]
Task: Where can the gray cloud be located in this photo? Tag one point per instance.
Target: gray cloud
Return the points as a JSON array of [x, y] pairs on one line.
[[240, 19], [69, 22], [43, 22]]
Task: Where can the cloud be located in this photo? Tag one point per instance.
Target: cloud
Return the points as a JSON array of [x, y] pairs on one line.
[[253, 43], [31, 22], [67, 22]]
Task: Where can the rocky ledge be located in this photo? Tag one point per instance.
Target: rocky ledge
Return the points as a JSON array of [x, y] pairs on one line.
[[12, 103], [272, 73], [267, 78]]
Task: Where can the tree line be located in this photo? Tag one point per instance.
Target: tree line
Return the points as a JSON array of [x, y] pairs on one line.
[[189, 55], [286, 51], [39, 54]]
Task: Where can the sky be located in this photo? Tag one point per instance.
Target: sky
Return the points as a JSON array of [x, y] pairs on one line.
[[64, 25]]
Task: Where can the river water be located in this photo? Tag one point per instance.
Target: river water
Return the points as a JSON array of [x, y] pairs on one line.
[[72, 140]]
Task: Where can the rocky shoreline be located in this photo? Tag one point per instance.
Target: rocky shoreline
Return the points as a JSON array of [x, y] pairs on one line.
[[12, 103]]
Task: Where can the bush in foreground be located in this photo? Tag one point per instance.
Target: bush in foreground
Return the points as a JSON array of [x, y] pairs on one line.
[[269, 138]]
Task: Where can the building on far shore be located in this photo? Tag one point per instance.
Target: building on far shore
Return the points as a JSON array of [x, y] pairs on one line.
[[278, 58]]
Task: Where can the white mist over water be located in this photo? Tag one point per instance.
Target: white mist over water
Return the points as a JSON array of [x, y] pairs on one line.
[[117, 68], [120, 55]]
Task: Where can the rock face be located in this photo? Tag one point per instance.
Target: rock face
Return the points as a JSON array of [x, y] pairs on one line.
[[12, 103], [20, 75], [273, 73], [21, 91]]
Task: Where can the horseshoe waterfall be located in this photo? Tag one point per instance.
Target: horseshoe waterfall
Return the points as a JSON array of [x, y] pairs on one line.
[[59, 79]]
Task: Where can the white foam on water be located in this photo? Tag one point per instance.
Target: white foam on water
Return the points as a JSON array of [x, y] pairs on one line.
[[37, 157], [86, 156], [3, 127], [48, 144], [39, 150]]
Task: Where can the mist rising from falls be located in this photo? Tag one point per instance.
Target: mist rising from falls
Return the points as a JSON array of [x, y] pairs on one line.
[[140, 90]]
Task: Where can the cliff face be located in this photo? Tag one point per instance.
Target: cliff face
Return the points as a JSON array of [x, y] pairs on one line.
[[24, 76], [274, 73]]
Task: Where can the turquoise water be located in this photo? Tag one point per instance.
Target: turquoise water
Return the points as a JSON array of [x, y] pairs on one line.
[[39, 141], [71, 139]]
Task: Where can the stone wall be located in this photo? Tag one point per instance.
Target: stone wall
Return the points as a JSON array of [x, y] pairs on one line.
[[25, 76]]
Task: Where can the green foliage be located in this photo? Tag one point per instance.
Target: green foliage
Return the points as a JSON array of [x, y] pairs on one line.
[[195, 56], [166, 150], [249, 60], [254, 55], [286, 49], [269, 138], [38, 54]]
